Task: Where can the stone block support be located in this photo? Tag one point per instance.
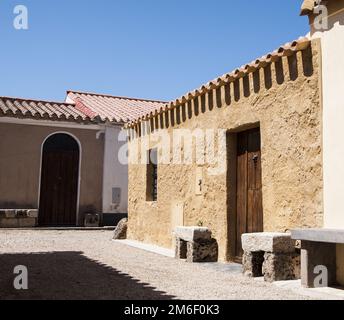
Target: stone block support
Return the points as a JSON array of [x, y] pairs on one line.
[[21, 218], [202, 251], [252, 264], [272, 255], [181, 249], [280, 267], [314, 254], [195, 245]]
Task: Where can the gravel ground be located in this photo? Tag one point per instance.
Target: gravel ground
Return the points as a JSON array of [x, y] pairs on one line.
[[88, 265]]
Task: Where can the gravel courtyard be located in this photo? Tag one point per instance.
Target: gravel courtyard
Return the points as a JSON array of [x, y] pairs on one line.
[[89, 265]]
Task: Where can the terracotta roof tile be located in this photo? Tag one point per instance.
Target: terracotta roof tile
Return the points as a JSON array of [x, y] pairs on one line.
[[113, 108], [286, 50], [46, 110]]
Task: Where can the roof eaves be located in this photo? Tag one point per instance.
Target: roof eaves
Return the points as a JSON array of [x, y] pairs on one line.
[[115, 97], [286, 50], [40, 109]]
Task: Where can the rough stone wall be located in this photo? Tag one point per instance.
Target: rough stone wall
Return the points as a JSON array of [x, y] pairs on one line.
[[284, 100]]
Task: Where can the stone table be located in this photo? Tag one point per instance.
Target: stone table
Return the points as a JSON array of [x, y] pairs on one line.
[[318, 248]]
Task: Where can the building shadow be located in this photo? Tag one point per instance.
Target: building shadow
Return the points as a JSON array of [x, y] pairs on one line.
[[71, 276]]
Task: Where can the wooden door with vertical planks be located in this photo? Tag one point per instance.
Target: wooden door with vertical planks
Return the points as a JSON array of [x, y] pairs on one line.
[[249, 186], [59, 181]]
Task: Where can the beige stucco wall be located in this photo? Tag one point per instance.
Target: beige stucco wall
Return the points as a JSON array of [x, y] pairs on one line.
[[20, 158], [333, 104], [332, 48], [287, 108]]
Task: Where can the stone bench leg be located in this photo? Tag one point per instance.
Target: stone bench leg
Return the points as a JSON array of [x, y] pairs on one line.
[[202, 251], [252, 264], [181, 249], [315, 254], [273, 266], [280, 266]]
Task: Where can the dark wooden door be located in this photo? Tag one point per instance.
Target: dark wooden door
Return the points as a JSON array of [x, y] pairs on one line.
[[59, 182], [249, 186]]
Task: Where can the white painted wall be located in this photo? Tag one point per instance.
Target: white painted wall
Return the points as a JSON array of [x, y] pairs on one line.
[[115, 173], [332, 42]]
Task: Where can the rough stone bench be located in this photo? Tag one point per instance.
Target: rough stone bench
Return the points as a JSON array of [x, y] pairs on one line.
[[18, 218], [318, 248], [195, 244], [272, 255]]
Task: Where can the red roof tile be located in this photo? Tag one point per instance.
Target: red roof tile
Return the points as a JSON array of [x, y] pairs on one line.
[[113, 108], [46, 110]]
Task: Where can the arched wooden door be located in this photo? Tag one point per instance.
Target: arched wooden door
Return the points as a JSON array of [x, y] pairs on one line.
[[59, 181]]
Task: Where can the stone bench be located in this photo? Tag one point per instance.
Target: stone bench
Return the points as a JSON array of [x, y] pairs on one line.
[[195, 244], [18, 218], [272, 255], [318, 248]]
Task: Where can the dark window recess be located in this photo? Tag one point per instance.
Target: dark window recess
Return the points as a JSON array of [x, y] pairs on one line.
[[152, 176]]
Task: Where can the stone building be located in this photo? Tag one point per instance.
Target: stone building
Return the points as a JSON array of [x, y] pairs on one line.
[[269, 116], [278, 148], [58, 161]]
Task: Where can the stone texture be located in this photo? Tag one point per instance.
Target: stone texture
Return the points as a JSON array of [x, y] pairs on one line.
[[192, 233], [21, 214], [270, 254], [27, 222], [10, 214], [121, 230], [18, 222], [279, 267], [289, 113], [296, 260], [268, 242], [32, 214], [181, 249], [92, 220], [253, 264], [20, 218], [202, 251]]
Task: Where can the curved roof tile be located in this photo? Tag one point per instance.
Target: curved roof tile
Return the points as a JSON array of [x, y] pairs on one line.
[[46, 110], [113, 108], [286, 50]]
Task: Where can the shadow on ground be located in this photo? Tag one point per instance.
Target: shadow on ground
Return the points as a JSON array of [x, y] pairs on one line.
[[71, 276]]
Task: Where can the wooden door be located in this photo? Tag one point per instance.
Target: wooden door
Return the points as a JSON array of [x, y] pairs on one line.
[[249, 186], [59, 182]]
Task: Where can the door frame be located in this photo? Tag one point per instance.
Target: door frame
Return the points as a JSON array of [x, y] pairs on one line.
[[231, 180], [79, 170]]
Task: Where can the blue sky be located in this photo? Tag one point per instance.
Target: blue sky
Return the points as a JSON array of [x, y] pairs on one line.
[[158, 49]]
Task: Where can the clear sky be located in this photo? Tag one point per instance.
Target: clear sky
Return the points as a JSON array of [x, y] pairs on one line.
[[158, 49]]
